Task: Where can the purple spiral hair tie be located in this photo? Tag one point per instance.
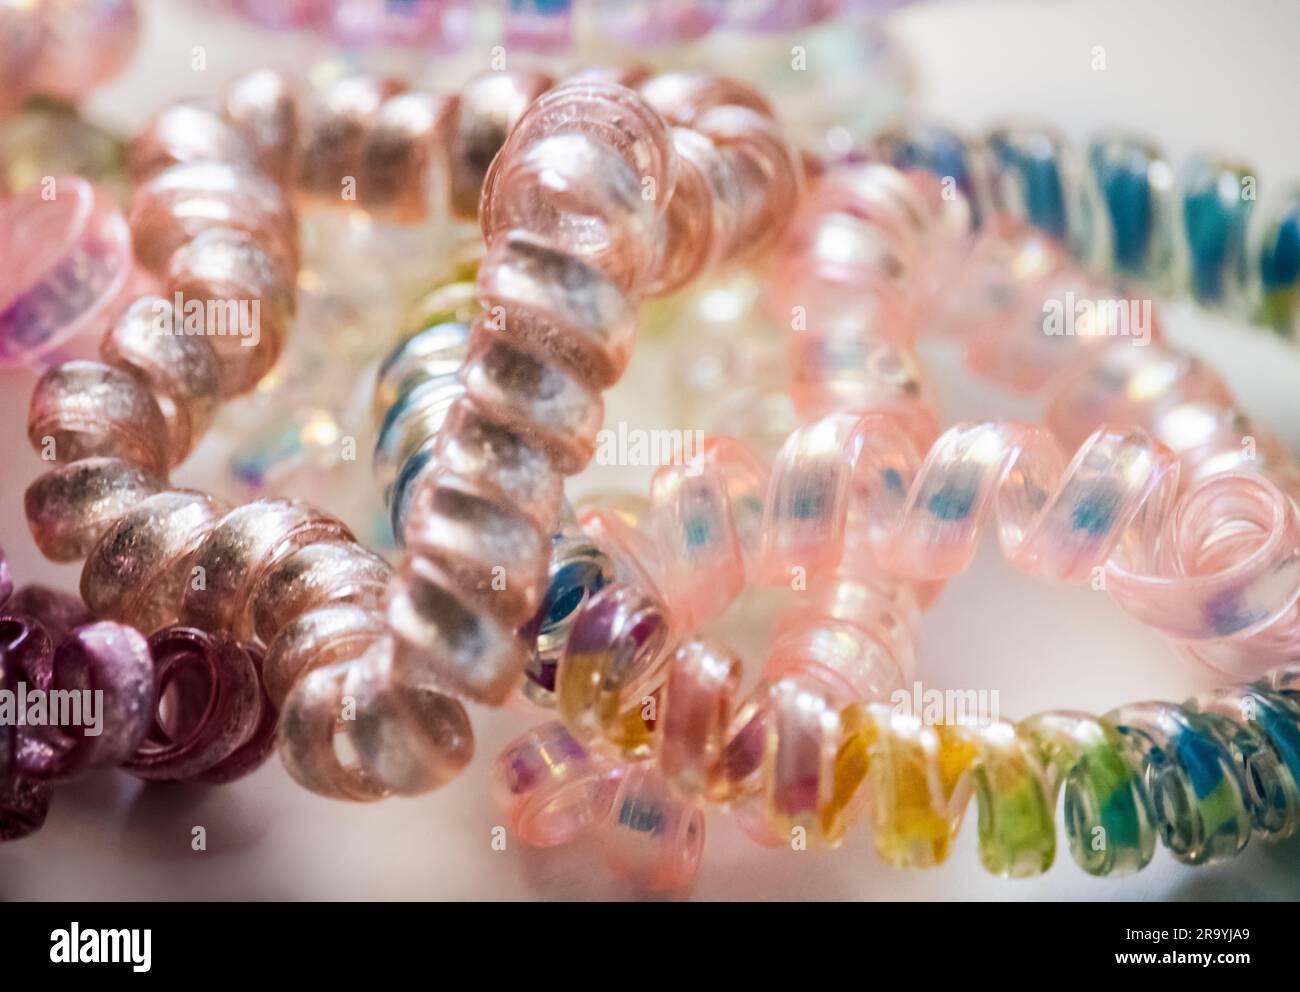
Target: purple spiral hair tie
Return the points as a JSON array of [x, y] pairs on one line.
[[210, 711], [56, 612], [107, 669], [6, 579], [23, 803]]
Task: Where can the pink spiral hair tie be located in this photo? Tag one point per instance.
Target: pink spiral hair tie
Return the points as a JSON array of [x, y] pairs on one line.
[[66, 250], [62, 48], [214, 707], [1224, 575], [106, 658], [1230, 600]]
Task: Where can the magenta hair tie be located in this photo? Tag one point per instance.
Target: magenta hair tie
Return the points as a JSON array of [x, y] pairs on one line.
[[23, 801], [57, 612], [25, 649], [210, 705], [96, 687], [112, 661]]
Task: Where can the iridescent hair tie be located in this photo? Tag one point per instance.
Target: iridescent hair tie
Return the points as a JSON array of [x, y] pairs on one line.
[[1202, 777]]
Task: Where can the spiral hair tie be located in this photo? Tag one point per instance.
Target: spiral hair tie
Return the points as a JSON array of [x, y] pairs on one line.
[[1120, 207], [1203, 777], [1231, 601], [291, 582], [86, 696], [62, 49], [1053, 518], [69, 273]]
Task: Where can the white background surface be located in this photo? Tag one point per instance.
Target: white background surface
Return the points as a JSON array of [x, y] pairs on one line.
[[1191, 73]]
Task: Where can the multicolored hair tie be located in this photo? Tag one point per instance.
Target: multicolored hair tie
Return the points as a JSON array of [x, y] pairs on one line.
[[1142, 771], [890, 227], [1123, 210], [1202, 777]]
